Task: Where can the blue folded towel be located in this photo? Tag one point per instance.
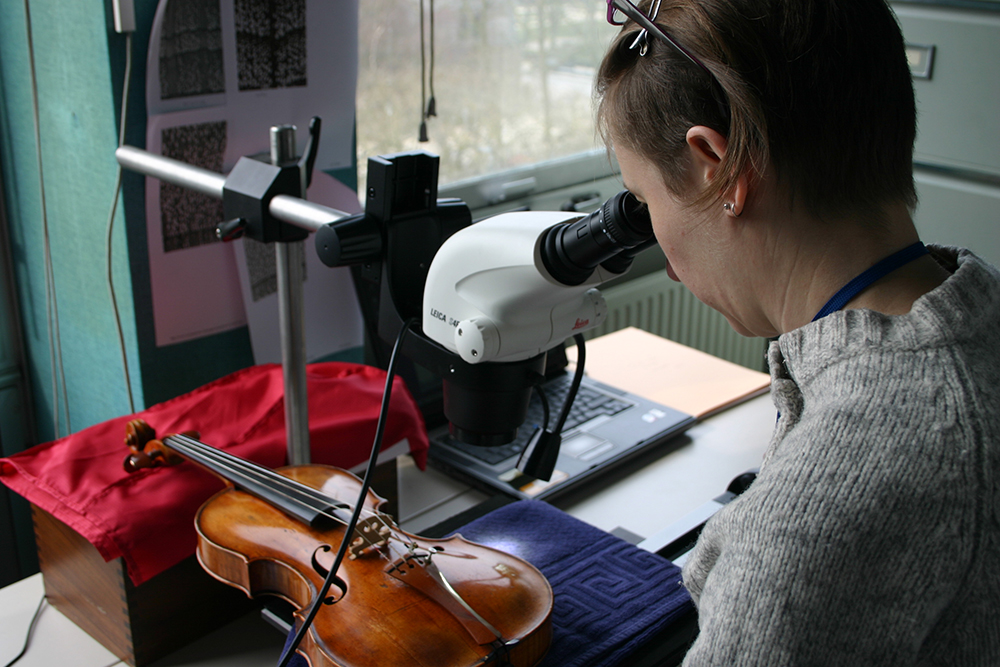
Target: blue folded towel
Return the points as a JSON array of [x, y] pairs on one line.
[[610, 597]]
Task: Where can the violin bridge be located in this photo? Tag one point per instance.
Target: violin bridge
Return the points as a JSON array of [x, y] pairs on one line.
[[371, 532]]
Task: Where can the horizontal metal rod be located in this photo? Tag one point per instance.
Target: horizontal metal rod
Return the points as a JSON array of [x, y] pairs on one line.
[[302, 213], [172, 171], [293, 210]]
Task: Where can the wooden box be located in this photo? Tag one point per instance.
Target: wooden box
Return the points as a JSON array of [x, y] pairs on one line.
[[139, 624]]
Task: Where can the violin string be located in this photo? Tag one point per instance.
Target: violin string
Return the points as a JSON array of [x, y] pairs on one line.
[[252, 476], [365, 485], [248, 470], [225, 460], [307, 497], [241, 471], [251, 473]]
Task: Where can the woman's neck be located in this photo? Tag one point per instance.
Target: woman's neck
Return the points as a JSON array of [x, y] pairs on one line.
[[824, 256]]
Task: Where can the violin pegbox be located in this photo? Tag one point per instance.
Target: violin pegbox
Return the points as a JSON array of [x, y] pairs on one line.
[[145, 450]]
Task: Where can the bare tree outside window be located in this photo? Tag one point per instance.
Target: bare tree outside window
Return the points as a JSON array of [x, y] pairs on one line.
[[512, 81]]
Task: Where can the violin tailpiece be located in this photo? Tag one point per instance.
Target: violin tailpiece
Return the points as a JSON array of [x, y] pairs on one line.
[[421, 573]]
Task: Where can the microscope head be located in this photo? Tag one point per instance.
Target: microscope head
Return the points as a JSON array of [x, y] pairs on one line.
[[517, 284]]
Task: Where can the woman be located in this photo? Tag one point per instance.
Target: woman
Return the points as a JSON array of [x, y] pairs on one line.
[[772, 143]]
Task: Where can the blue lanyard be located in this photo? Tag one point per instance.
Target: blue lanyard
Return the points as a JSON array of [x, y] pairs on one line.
[[872, 274]]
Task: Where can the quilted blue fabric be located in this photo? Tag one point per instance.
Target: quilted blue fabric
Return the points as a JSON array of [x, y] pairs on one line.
[[609, 596]]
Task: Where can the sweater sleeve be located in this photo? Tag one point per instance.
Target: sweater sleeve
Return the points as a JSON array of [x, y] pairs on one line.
[[849, 545]]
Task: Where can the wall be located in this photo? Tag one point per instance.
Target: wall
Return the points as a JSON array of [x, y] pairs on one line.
[[76, 121], [77, 124], [17, 556]]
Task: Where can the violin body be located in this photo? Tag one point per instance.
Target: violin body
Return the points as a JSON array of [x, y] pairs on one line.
[[378, 618]]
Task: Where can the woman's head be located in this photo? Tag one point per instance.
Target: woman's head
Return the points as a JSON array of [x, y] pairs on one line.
[[817, 92]]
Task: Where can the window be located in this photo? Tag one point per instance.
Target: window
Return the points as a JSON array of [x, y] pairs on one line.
[[511, 81]]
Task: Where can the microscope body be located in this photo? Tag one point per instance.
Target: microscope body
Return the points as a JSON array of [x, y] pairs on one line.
[[489, 298]]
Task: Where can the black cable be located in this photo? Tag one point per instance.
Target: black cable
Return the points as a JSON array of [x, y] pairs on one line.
[[545, 405], [581, 357], [431, 104], [111, 222], [31, 629], [539, 456], [52, 304], [390, 375], [423, 79]]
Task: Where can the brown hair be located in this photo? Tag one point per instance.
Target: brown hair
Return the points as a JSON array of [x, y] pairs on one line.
[[819, 90]]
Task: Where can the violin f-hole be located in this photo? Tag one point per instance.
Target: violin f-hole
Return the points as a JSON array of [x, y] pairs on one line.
[[324, 572]]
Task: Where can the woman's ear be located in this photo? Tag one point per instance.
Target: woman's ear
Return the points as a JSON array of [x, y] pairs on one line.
[[707, 148]]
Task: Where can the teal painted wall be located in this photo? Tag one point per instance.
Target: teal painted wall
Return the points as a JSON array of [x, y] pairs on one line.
[[17, 547], [77, 120]]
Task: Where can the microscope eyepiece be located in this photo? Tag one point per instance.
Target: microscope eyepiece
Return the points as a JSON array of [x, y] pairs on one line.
[[572, 251]]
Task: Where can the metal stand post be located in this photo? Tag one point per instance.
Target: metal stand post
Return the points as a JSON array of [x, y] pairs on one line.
[[289, 260], [254, 207]]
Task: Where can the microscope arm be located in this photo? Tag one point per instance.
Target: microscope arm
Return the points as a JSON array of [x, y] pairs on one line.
[[292, 210]]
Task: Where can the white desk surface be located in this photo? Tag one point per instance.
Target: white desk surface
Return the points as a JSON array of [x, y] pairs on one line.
[[642, 500]]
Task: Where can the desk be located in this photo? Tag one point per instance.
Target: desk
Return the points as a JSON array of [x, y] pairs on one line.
[[646, 496]]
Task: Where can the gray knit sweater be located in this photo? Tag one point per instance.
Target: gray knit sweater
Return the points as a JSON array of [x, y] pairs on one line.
[[872, 534]]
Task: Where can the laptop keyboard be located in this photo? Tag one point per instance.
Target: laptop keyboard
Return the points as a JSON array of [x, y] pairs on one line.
[[589, 404]]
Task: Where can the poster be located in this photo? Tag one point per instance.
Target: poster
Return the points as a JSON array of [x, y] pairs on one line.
[[220, 73]]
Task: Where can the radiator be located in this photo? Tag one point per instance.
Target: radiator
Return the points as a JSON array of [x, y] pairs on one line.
[[657, 304]]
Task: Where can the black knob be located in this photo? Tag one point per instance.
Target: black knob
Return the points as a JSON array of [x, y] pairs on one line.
[[231, 230]]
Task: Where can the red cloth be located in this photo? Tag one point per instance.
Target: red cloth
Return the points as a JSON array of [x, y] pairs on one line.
[[147, 517]]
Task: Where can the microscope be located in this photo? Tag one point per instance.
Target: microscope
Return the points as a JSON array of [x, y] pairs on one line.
[[482, 303], [491, 298]]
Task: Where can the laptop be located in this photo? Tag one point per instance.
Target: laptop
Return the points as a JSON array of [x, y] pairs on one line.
[[606, 427]]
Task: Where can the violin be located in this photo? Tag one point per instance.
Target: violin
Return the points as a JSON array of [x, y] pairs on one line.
[[398, 599]]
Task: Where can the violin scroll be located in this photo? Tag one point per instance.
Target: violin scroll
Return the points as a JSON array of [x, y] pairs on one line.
[[145, 450]]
